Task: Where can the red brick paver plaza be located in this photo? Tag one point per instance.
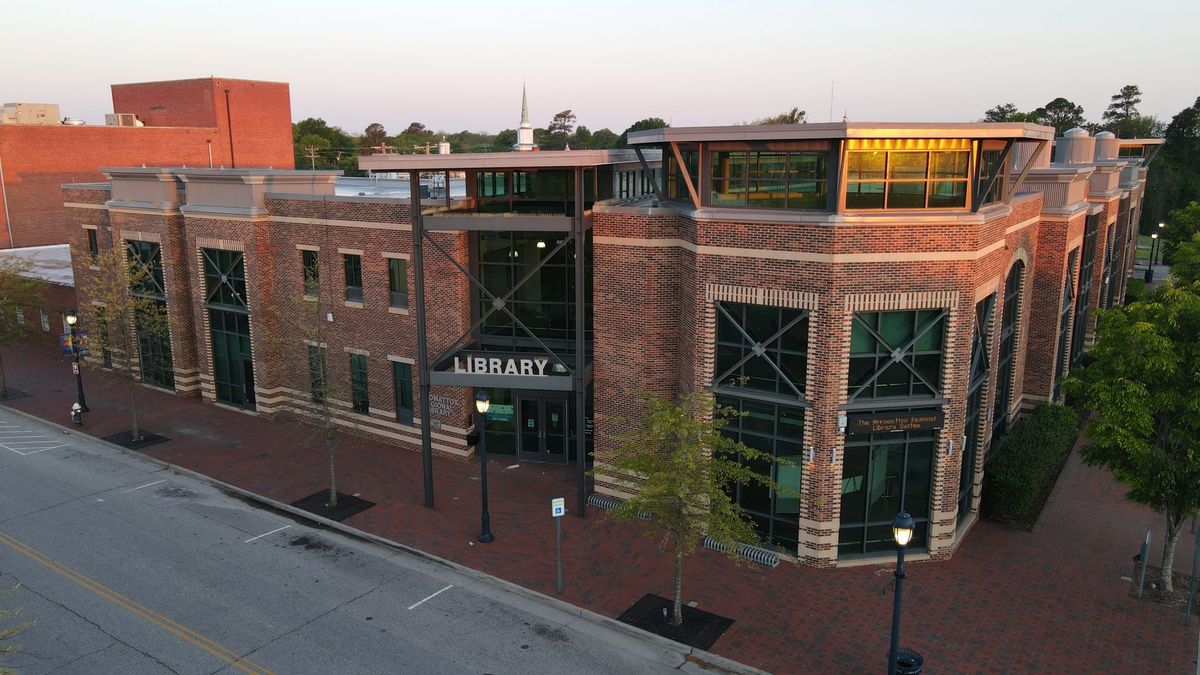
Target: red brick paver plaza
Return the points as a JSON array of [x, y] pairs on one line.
[[1048, 601]]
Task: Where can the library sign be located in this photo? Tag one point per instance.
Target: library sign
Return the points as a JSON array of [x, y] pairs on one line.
[[501, 370], [879, 423]]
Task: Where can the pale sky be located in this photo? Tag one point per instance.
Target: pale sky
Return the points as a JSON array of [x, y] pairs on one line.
[[459, 65]]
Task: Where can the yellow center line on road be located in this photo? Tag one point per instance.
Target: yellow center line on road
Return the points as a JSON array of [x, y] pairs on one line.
[[226, 655]]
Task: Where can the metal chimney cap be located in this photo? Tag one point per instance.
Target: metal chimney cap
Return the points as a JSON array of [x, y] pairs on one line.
[[1075, 133], [1106, 134]]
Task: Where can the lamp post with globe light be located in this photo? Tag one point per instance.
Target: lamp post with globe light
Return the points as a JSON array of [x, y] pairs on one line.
[[482, 403], [902, 529], [72, 318]]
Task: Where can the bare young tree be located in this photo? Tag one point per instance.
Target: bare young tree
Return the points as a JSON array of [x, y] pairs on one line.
[[122, 315]]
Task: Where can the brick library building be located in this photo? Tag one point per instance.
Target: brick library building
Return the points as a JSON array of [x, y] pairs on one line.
[[880, 301]]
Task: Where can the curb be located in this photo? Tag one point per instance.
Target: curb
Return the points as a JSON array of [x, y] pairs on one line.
[[704, 659]]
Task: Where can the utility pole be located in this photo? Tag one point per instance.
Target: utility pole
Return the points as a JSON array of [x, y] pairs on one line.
[[312, 157]]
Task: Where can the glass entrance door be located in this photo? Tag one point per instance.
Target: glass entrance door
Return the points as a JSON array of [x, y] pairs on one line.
[[543, 436]]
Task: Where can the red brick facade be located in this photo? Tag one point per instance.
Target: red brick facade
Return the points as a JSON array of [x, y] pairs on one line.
[[658, 272], [188, 122]]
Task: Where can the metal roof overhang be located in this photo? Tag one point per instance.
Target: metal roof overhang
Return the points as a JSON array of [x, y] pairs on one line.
[[550, 159], [841, 130]]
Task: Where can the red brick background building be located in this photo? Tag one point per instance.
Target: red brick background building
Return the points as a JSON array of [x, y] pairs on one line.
[[201, 122]]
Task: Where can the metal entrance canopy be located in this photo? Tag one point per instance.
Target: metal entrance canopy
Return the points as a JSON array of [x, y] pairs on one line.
[[573, 370]]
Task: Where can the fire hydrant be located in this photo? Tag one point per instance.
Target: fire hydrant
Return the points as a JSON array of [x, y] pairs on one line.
[[76, 413]]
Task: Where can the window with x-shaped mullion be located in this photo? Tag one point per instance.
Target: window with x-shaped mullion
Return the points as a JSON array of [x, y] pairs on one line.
[[225, 278], [762, 348], [882, 340], [981, 361]]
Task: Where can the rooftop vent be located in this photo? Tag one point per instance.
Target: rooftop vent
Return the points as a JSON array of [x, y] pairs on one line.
[[1075, 147]]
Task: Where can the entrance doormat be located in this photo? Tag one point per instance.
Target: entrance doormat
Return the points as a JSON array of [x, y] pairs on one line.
[[700, 629], [347, 505], [125, 440], [15, 394]]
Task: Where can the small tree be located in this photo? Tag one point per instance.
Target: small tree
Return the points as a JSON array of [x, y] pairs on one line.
[[1060, 114], [126, 315], [793, 116], [562, 124], [1143, 383], [1185, 263], [1123, 106], [682, 467], [17, 291]]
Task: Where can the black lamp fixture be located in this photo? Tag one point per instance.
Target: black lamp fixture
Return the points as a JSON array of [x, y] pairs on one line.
[[72, 318], [902, 531], [482, 403]]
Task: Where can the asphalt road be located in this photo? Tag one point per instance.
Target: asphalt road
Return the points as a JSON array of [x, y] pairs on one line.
[[126, 567]]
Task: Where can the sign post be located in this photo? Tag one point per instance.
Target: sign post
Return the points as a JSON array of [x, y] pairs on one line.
[[558, 507]]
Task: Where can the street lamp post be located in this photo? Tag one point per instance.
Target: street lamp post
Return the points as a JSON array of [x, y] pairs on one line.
[[73, 318], [902, 530], [1161, 226], [482, 403], [1153, 248]]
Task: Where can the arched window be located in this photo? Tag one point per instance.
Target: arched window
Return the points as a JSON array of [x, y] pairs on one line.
[[1009, 336]]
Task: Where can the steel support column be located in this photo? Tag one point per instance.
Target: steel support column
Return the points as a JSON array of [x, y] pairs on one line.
[[580, 357], [418, 235]]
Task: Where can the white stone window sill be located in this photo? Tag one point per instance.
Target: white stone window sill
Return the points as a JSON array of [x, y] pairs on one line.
[[398, 310]]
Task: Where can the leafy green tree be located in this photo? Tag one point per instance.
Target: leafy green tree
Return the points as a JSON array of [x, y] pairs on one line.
[[640, 125], [1143, 384], [1004, 112], [1182, 225], [1123, 106], [793, 116], [1139, 126], [582, 138], [1060, 114], [505, 140], [17, 291], [315, 149], [338, 151], [562, 124], [415, 128], [1185, 263], [373, 137], [604, 139], [1174, 178], [682, 466]]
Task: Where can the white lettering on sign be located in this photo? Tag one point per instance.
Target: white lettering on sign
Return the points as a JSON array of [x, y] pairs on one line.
[[482, 365], [443, 406], [558, 506]]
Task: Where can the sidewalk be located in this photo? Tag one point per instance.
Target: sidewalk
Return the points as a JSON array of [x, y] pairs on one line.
[[1009, 601]]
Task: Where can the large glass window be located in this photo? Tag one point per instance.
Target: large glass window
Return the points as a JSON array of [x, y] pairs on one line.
[[761, 348], [764, 179], [1009, 335], [896, 354], [398, 282], [545, 303], [312, 272], [154, 338], [354, 286], [1109, 251], [1064, 320], [989, 163], [402, 384], [676, 185], [1083, 297], [981, 372], [907, 179], [359, 391], [778, 431], [883, 474], [760, 368], [229, 326]]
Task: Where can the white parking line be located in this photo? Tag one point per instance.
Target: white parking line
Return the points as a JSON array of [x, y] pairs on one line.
[[27, 442], [278, 529], [421, 602], [144, 486]]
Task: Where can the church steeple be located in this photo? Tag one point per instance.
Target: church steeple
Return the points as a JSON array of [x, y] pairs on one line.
[[525, 109], [525, 132]]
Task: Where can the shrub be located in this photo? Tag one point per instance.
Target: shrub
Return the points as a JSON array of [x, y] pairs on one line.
[[1135, 289], [1026, 463]]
